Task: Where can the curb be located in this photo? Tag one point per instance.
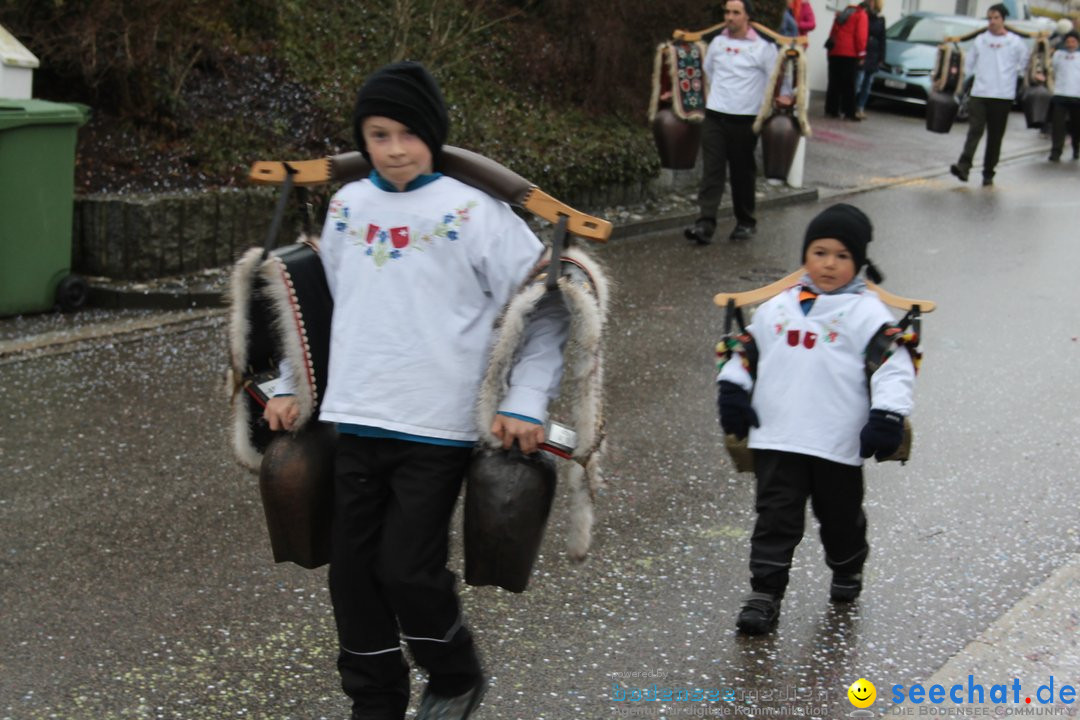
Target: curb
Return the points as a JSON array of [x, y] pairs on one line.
[[61, 341], [118, 298], [676, 221], [926, 175]]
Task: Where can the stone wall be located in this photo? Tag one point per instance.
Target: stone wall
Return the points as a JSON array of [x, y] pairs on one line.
[[139, 237]]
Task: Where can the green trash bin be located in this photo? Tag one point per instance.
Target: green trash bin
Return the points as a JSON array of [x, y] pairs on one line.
[[37, 194]]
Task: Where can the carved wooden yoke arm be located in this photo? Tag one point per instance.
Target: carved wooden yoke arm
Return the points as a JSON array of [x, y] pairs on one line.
[[761, 294]]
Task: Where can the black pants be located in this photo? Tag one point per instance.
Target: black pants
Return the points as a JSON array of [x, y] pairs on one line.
[[728, 141], [840, 92], [392, 506], [784, 482], [990, 115], [1064, 114]]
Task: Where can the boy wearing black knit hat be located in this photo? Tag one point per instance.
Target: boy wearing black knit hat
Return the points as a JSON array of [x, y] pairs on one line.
[[419, 266], [802, 395]]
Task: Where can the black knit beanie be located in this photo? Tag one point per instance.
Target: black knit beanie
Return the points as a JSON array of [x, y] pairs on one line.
[[849, 225], [406, 92]]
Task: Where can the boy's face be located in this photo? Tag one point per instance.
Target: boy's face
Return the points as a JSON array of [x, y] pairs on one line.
[[1071, 44], [829, 264], [996, 22], [397, 152]]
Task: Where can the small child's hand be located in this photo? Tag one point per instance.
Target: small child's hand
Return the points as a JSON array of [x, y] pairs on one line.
[[882, 434], [281, 412], [508, 429], [737, 415]]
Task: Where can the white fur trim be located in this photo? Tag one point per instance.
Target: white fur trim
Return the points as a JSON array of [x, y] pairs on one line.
[[667, 52], [289, 330], [582, 374], [1039, 62], [240, 288], [802, 90], [658, 63]]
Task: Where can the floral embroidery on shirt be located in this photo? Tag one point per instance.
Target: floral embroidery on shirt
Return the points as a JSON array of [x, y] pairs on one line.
[[383, 244], [782, 322], [451, 224], [832, 327]]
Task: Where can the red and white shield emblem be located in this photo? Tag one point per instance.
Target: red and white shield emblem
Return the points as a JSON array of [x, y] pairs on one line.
[[399, 236]]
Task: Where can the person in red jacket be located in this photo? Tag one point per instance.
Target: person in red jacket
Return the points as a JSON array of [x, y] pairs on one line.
[[847, 48]]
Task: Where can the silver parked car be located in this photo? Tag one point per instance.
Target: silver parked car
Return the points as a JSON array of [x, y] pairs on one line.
[[910, 49]]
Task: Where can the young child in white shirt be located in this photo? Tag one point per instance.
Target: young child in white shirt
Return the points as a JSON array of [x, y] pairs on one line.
[[811, 414]]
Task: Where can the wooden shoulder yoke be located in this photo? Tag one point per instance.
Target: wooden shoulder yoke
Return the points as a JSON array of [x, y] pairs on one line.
[[469, 167], [781, 40], [761, 294], [1037, 34]]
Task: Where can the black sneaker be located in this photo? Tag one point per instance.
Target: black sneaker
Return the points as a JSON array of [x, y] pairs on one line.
[[760, 613], [459, 707], [742, 232], [987, 181], [845, 588], [1055, 157], [701, 232], [959, 172]]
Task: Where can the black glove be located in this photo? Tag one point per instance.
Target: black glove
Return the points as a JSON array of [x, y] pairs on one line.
[[736, 413], [882, 434]]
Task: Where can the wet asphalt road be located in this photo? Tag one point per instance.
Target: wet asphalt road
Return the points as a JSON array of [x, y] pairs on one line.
[[136, 579]]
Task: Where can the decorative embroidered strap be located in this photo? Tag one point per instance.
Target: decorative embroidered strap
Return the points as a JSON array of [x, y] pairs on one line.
[[679, 78], [743, 346], [297, 319]]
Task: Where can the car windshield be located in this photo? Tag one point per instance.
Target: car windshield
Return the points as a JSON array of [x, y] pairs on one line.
[[927, 30]]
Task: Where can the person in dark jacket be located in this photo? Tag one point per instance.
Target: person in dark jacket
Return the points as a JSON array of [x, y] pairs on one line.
[[847, 48], [875, 54]]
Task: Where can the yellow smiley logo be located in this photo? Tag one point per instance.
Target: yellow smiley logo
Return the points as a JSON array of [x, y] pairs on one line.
[[862, 693]]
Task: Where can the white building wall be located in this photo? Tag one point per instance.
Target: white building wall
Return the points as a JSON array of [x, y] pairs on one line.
[[824, 11]]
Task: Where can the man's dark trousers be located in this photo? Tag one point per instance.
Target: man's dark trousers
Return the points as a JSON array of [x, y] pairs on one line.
[[393, 500], [728, 141], [990, 115], [784, 482]]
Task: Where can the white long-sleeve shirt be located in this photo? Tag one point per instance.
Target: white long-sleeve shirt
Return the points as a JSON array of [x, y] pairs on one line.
[[811, 393], [1066, 72], [418, 279], [996, 61], [737, 70]]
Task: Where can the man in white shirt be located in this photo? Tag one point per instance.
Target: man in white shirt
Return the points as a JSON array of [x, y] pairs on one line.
[[737, 66], [996, 58]]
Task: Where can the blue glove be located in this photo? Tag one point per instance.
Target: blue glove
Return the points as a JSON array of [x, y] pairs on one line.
[[737, 416], [882, 434]]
